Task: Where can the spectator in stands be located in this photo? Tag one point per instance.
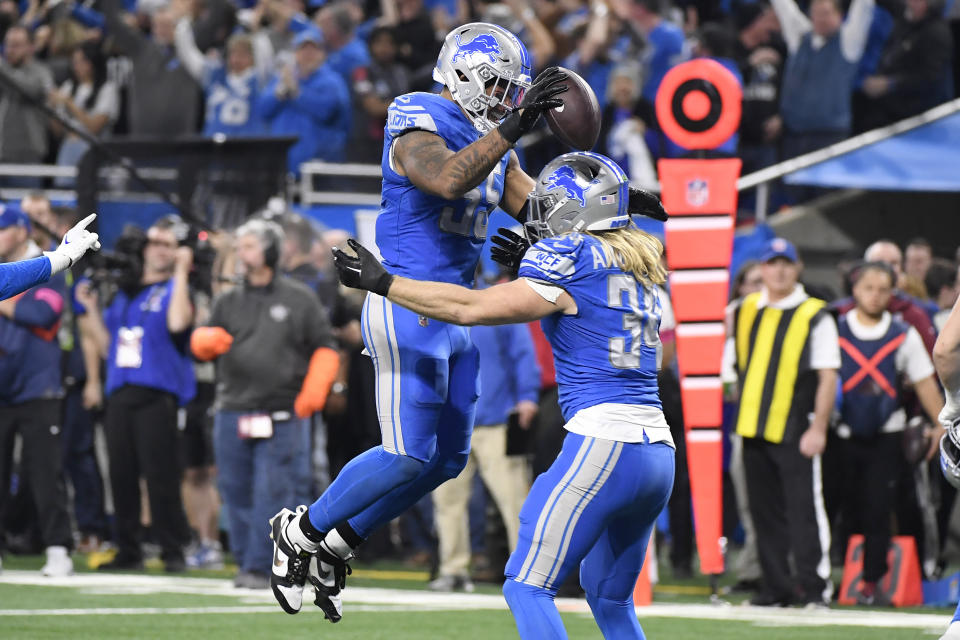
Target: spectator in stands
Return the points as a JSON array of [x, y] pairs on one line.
[[943, 286], [418, 45], [142, 336], [31, 394], [231, 87], [760, 57], [158, 80], [510, 382], [901, 304], [783, 438], [275, 368], [824, 51], [519, 18], [625, 119], [346, 52], [25, 83], [915, 71], [87, 101], [310, 100], [664, 41], [918, 255], [296, 261], [9, 15], [877, 351], [374, 88], [81, 378]]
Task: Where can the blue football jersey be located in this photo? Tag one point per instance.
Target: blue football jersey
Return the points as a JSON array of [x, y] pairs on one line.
[[231, 105], [607, 352], [423, 236]]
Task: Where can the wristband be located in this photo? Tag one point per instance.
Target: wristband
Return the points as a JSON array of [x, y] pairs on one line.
[[510, 127]]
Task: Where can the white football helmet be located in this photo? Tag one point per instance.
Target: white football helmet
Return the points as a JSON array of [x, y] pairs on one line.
[[950, 453], [486, 69]]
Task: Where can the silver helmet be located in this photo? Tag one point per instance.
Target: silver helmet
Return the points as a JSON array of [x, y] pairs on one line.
[[950, 454], [580, 191], [486, 69]]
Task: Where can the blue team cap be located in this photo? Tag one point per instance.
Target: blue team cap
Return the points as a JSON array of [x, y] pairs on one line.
[[308, 35], [779, 248], [11, 215]]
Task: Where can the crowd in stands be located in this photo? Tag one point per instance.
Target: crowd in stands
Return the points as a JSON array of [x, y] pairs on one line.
[[812, 71], [182, 434]]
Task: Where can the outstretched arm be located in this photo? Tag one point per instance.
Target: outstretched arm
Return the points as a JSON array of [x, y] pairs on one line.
[[501, 304]]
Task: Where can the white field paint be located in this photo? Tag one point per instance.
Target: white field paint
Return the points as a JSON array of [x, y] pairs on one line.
[[371, 600]]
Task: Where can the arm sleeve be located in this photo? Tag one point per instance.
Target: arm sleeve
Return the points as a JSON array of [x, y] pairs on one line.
[[269, 104], [728, 365], [17, 277], [824, 344], [793, 23], [856, 29], [321, 100], [40, 308], [912, 358], [108, 102], [526, 373], [187, 50]]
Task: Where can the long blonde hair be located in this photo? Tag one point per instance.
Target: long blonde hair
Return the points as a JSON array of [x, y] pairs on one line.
[[635, 251]]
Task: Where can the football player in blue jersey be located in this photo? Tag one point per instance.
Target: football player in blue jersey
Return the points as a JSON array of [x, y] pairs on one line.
[[946, 357], [447, 163], [591, 277]]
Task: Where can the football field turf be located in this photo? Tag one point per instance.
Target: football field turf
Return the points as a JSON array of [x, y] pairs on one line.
[[140, 605]]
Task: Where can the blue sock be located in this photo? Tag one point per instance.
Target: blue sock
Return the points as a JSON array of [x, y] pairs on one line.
[[433, 473], [534, 612], [371, 475], [616, 619]]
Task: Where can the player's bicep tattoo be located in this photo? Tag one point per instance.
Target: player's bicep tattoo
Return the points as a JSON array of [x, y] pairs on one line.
[[421, 154]]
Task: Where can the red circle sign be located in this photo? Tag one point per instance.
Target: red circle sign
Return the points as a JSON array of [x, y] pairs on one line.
[[698, 104]]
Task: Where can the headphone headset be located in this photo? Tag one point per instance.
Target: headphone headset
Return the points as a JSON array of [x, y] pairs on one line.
[[273, 235]]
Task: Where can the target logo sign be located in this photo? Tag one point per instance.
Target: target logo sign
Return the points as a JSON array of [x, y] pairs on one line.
[[699, 103]]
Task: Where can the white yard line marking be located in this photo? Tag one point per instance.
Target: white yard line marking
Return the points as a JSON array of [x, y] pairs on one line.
[[368, 599]]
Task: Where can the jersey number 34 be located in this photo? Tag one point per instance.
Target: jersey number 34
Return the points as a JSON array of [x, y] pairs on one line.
[[641, 323]]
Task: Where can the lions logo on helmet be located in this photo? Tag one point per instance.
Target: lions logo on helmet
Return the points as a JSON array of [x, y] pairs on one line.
[[486, 69], [589, 183], [566, 179]]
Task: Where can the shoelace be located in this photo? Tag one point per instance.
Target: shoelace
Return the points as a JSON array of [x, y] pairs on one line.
[[298, 567]]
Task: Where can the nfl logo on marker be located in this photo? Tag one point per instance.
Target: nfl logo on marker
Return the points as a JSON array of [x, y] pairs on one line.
[[608, 199], [698, 192]]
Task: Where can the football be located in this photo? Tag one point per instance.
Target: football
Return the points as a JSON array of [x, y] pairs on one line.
[[577, 122]]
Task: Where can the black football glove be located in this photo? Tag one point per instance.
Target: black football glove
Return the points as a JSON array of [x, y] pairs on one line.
[[644, 203], [540, 97], [509, 250], [362, 271]]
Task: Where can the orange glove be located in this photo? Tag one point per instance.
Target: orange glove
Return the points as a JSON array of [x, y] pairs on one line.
[[208, 343], [324, 365]]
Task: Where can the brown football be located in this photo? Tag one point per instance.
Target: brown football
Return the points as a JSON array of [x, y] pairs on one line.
[[577, 122]]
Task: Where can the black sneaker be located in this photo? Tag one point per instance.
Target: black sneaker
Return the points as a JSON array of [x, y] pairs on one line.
[[328, 575], [290, 563]]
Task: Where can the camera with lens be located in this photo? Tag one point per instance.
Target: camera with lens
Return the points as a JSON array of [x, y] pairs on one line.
[[123, 266]]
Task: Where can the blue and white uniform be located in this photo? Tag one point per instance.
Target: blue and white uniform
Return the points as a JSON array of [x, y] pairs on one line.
[[596, 505], [427, 372]]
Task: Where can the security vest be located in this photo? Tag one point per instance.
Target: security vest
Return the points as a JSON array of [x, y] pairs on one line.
[[868, 378], [777, 385]]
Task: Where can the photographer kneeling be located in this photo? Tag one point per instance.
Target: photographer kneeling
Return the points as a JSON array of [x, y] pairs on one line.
[[144, 337]]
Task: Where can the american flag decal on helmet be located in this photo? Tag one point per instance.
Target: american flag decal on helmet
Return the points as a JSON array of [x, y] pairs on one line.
[[608, 199]]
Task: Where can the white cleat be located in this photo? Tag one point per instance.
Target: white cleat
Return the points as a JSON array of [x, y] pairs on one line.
[[290, 563]]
